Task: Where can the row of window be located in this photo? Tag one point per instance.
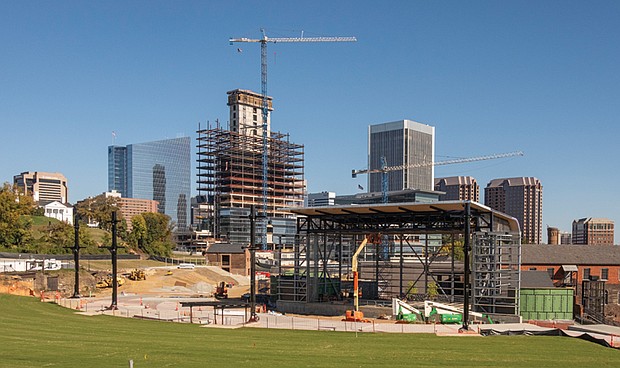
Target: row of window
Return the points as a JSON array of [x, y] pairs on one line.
[[55, 210], [586, 273], [604, 273]]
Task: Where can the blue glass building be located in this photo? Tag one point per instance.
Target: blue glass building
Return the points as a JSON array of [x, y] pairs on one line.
[[159, 170]]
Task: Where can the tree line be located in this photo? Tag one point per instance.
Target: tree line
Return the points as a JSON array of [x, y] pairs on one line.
[[24, 230]]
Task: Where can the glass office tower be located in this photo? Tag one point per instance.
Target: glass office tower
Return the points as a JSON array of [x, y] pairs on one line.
[[159, 170]]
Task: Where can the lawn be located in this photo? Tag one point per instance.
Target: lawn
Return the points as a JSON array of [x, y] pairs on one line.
[[39, 334]]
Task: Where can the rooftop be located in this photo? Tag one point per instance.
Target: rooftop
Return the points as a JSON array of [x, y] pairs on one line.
[[543, 254]]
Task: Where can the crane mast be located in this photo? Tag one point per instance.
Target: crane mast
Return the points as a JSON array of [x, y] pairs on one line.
[[265, 102]]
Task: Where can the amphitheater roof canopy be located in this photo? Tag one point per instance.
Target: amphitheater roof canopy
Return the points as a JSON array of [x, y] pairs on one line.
[[437, 210]]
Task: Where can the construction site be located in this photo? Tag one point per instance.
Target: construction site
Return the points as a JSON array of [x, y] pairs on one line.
[[239, 168], [386, 261]]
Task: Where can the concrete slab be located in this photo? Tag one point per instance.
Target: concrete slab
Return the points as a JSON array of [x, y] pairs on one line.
[[599, 329]]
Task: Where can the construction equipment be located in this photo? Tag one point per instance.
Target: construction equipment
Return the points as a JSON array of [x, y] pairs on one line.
[[137, 275], [406, 313], [385, 169], [107, 282], [446, 314], [221, 291], [265, 104], [356, 315]]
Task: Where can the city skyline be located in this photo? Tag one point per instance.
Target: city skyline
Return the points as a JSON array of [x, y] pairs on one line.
[[490, 77]]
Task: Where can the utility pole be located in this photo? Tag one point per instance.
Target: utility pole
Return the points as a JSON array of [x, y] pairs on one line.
[[114, 250], [76, 255], [466, 272], [252, 249]]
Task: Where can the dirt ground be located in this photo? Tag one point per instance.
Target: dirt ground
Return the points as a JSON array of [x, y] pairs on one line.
[[198, 282]]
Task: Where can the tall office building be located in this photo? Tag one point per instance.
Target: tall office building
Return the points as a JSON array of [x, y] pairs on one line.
[[463, 188], [593, 231], [44, 187], [520, 198], [159, 170], [406, 143], [230, 173], [117, 169]]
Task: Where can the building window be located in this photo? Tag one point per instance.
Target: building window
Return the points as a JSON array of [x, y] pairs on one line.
[[255, 118], [550, 271], [586, 273], [604, 273]]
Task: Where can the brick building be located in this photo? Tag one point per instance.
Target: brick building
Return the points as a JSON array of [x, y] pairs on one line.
[[569, 265], [458, 188], [521, 198], [233, 258], [593, 231]]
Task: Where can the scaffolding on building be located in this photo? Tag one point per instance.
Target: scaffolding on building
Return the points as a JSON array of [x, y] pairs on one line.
[[230, 176]]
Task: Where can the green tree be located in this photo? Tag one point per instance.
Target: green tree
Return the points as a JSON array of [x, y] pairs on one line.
[[152, 233], [138, 231], [98, 209], [453, 241], [432, 290], [58, 236], [15, 226]]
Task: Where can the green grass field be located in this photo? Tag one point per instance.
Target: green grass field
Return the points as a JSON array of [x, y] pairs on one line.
[[36, 334]]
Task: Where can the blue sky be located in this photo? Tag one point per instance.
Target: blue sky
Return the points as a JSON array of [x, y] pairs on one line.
[[537, 76]]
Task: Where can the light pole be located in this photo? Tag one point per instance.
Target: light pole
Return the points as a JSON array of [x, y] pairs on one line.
[[114, 250], [252, 249], [76, 255]]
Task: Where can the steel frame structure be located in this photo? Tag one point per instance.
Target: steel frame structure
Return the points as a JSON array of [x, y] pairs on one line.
[[326, 236], [230, 173]]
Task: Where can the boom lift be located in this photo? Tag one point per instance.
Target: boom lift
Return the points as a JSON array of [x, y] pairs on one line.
[[445, 313], [405, 312], [356, 315]]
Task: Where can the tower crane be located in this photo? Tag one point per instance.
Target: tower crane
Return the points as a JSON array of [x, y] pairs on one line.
[[384, 170], [265, 107]]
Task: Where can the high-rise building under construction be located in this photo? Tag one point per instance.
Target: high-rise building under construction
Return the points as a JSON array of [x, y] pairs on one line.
[[230, 173]]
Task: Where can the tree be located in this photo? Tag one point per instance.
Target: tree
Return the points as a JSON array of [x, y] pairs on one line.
[[14, 225], [58, 236], [456, 242], [151, 232], [98, 209], [138, 231]]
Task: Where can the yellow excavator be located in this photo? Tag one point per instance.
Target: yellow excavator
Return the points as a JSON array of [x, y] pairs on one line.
[[107, 282], [356, 315], [137, 275]]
